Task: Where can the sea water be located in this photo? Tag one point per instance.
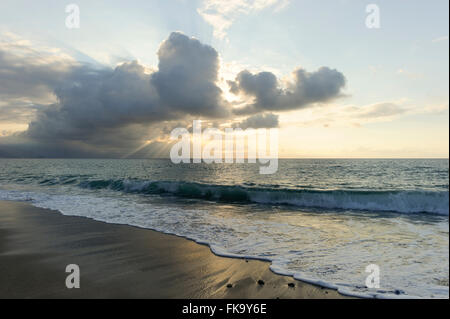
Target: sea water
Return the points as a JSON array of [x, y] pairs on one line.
[[322, 221]]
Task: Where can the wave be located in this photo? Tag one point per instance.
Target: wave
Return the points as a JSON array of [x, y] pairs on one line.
[[229, 236], [434, 202]]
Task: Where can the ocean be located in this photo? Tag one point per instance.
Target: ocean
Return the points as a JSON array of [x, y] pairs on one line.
[[319, 220]]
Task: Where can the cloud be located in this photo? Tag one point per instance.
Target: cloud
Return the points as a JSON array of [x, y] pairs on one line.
[[357, 116], [187, 75], [440, 39], [222, 13], [84, 110], [27, 73], [91, 101], [410, 75], [28, 77], [96, 106], [378, 110], [268, 120], [17, 111], [307, 88]]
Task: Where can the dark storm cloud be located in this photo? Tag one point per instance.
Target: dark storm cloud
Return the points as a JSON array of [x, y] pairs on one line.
[[96, 111], [307, 88], [112, 108], [93, 100], [187, 76], [268, 120]]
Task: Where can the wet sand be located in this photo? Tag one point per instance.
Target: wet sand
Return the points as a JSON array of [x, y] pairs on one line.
[[119, 261]]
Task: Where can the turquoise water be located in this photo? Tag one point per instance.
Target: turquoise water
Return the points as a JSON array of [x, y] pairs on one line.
[[322, 221]]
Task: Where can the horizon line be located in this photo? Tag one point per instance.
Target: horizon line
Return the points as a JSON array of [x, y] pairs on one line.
[[167, 158]]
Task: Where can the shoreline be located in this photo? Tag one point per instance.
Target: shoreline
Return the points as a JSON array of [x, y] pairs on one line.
[[122, 261]]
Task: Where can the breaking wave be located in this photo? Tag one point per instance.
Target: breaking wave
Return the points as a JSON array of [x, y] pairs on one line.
[[434, 202]]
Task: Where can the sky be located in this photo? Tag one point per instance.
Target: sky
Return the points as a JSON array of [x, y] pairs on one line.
[[117, 85]]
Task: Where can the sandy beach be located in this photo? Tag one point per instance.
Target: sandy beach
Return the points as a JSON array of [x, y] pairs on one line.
[[119, 261]]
